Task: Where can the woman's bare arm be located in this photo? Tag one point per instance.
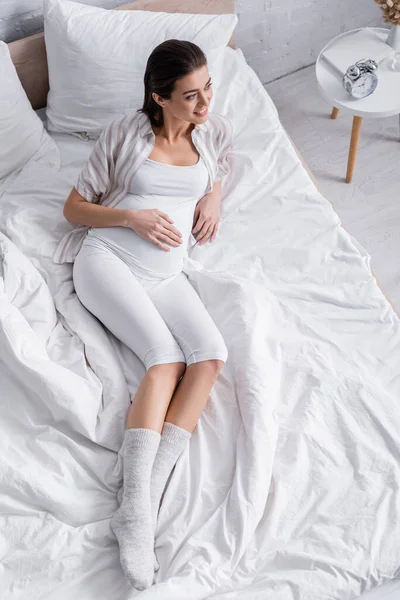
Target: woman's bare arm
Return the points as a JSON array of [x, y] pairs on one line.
[[79, 211]]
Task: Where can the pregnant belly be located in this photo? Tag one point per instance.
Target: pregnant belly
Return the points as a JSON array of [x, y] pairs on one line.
[[147, 259]]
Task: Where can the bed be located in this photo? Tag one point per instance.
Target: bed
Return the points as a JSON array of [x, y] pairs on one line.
[[289, 489]]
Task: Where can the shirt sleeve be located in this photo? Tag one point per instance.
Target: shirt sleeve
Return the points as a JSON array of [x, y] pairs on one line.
[[94, 179], [226, 145]]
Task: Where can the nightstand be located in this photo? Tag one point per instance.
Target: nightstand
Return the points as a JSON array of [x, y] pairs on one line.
[[383, 102]]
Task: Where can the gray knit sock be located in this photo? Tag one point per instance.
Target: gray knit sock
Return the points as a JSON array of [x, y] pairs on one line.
[[132, 523], [173, 441]]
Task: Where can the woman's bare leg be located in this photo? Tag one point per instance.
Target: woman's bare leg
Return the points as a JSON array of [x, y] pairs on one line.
[[162, 397], [153, 396], [192, 392], [133, 522], [152, 405]]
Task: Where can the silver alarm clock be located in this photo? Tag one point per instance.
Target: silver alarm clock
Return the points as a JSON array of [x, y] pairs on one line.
[[360, 80]]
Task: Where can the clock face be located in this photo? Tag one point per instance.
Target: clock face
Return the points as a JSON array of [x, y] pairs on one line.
[[364, 85]]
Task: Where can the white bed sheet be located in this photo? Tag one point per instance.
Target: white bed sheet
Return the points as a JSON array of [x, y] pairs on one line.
[[47, 154], [303, 499]]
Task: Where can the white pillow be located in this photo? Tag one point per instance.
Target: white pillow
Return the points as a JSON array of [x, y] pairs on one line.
[[22, 134], [97, 58]]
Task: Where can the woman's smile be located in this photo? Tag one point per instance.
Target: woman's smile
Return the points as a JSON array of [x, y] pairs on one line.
[[202, 113]]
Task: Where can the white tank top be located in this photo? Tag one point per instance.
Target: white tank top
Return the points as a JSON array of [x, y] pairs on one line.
[[174, 190]]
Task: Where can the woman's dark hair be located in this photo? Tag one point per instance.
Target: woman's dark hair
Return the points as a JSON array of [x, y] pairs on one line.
[[168, 62]]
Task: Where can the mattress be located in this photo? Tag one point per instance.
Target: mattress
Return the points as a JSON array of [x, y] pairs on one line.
[[289, 488]]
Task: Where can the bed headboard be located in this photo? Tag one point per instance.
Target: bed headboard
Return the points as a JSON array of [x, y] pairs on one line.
[[29, 54]]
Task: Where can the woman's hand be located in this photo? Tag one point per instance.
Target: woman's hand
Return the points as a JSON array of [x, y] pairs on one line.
[[154, 226], [207, 215]]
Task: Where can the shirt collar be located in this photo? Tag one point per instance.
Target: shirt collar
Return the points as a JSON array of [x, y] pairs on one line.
[[145, 125]]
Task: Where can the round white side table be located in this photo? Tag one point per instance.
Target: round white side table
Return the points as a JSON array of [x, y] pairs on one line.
[[383, 102]]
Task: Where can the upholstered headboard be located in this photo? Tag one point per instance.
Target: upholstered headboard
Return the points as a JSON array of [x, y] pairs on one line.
[[29, 54]]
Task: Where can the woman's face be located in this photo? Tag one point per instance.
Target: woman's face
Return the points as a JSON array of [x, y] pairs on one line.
[[192, 94]]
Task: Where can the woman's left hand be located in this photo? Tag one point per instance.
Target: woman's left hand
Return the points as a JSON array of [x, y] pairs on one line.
[[206, 217]]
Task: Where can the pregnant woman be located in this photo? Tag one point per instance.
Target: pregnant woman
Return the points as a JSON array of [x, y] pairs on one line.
[[151, 176]]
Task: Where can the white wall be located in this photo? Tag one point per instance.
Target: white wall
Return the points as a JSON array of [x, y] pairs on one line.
[[277, 37]]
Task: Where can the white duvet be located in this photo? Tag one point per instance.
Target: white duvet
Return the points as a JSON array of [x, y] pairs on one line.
[[289, 488]]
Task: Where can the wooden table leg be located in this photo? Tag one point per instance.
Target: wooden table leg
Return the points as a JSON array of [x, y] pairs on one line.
[[355, 136], [335, 112]]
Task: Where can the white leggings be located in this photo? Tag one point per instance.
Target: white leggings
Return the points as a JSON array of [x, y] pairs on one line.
[[164, 323]]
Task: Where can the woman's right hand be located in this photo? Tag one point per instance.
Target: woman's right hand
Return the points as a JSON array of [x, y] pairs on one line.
[[154, 226]]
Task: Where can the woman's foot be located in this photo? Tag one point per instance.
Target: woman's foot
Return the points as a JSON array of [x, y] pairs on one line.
[[134, 530], [132, 523], [173, 441], [120, 492]]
